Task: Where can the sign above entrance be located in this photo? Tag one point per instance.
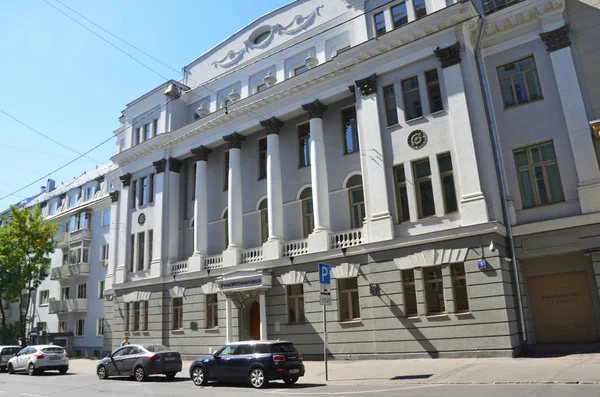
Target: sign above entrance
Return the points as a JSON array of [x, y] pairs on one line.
[[248, 282]]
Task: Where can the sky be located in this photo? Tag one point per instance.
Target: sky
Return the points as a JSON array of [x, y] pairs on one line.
[[68, 84]]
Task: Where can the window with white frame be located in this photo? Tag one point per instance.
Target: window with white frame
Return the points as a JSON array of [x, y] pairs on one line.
[[348, 303], [177, 321], [262, 158], [212, 312], [79, 327], [106, 217], [101, 289], [82, 291], [264, 220], [379, 20], [300, 69], [132, 252], [412, 99], [155, 127], [141, 243], [44, 297], [459, 285], [295, 303], [147, 131], [401, 194], [399, 15], [424, 188], [304, 145], [391, 110], [150, 244], [308, 220], [64, 293], [73, 200], [350, 130], [99, 327], [539, 177], [104, 255], [356, 201], [134, 193], [261, 87], [62, 326], [152, 188], [519, 82], [143, 200], [52, 208], [433, 91], [88, 193], [434, 290], [420, 9], [410, 293], [447, 177]]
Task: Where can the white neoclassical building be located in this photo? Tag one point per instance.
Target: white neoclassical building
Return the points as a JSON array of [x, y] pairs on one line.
[[422, 150]]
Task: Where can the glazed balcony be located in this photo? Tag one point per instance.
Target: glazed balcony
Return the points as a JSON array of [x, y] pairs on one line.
[[64, 239], [64, 272], [67, 306]]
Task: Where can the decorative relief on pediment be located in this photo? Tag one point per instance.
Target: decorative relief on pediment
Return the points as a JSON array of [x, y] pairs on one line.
[[298, 24]]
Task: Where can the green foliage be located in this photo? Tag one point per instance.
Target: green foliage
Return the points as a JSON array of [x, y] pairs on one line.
[[25, 243], [9, 334]]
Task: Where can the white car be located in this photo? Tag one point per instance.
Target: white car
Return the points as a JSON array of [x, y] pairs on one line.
[[37, 359]]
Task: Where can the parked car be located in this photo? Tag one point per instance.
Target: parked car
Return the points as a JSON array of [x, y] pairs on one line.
[[40, 358], [257, 362], [6, 353], [140, 362]]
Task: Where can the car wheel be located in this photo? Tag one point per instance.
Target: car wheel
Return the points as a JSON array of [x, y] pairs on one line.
[[171, 375], [199, 376], [31, 369], [291, 381], [10, 369], [139, 374], [102, 374], [257, 378]]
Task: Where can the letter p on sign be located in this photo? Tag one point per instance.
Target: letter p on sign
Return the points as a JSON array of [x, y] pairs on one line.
[[324, 273]]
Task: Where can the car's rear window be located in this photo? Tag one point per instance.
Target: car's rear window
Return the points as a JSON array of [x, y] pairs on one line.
[[53, 350], [10, 350], [283, 348], [157, 348]]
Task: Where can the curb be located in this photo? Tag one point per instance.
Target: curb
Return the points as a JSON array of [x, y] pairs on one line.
[[542, 382]]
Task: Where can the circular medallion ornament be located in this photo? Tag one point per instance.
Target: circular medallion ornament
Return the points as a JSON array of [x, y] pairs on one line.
[[417, 139], [141, 219]]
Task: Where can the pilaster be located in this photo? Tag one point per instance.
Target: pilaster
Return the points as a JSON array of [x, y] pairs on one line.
[[159, 210], [114, 241], [123, 228], [172, 215]]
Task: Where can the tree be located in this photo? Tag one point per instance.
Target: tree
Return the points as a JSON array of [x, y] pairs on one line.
[[25, 244]]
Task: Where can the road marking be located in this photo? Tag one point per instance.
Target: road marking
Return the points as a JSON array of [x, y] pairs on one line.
[[32, 395], [341, 393]]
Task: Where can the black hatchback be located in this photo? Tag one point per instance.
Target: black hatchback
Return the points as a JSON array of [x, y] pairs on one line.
[[256, 362]]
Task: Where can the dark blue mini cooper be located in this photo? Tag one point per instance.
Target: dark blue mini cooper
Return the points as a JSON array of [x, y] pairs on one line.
[[257, 362]]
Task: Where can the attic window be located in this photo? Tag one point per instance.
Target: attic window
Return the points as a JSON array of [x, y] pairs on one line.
[[261, 37]]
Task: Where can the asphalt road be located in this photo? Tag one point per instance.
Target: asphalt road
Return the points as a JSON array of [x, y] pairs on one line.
[[73, 385]]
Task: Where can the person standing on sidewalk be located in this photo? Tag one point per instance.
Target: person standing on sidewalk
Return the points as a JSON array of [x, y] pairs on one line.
[[125, 341]]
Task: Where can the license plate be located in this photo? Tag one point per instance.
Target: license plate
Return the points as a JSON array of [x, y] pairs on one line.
[[54, 357], [169, 358], [294, 371]]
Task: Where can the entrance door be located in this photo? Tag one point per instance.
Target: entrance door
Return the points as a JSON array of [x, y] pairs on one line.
[[255, 321], [562, 308]]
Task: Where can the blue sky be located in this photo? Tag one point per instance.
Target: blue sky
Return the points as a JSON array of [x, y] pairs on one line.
[[68, 84]]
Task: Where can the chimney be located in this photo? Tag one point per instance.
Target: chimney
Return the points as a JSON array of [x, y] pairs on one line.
[[50, 185], [42, 189]]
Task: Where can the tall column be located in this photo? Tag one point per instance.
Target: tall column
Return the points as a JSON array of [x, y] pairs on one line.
[[473, 208], [379, 224], [156, 268], [272, 249], [263, 315], [578, 128], [173, 210], [196, 262], [114, 240], [234, 199], [319, 239], [228, 320], [123, 227]]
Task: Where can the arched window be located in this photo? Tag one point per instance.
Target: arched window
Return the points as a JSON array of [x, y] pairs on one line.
[[356, 199], [225, 217], [264, 220], [308, 220]]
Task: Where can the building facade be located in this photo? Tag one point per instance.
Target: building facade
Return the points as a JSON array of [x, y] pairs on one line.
[[360, 134]]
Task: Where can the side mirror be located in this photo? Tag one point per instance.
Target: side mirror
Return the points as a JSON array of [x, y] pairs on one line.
[[16, 355], [109, 355]]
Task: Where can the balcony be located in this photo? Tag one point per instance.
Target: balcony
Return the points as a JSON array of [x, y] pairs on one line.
[[67, 306], [77, 236], [349, 238], [63, 272]]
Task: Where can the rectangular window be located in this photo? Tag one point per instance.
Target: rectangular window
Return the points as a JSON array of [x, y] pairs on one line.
[[295, 303], [433, 91], [412, 99], [519, 82], [348, 299], [410, 293], [145, 317], [434, 290], [356, 201], [391, 110], [131, 252], [127, 316], [133, 193], [101, 289], [88, 193], [147, 132], [62, 326], [401, 194], [399, 15], [538, 173], [141, 243], [459, 285], [137, 136], [136, 316], [304, 145], [73, 200], [85, 220], [379, 19], [82, 291], [300, 70], [152, 188], [350, 130], [74, 223], [86, 255], [79, 327], [106, 217], [99, 327], [226, 171], [447, 177], [44, 296], [143, 191], [177, 313], [308, 220], [420, 10], [150, 244], [424, 188], [262, 158], [212, 312], [104, 255], [261, 87], [64, 293], [155, 127], [53, 208]]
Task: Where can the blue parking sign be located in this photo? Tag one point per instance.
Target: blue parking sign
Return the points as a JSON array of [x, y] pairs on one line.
[[324, 273]]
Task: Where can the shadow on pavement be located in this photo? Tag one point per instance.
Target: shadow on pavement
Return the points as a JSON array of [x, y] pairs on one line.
[[272, 384], [412, 377], [151, 379]]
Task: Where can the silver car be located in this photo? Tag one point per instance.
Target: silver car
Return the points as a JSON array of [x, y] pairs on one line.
[[6, 353], [37, 359]]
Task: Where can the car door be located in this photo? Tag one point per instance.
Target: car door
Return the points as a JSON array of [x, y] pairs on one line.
[[219, 366], [23, 358], [114, 365], [238, 363], [129, 359]]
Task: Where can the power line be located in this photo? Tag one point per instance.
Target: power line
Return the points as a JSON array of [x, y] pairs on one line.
[[45, 136], [35, 151]]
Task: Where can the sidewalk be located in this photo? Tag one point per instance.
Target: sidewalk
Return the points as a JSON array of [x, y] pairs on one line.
[[572, 369]]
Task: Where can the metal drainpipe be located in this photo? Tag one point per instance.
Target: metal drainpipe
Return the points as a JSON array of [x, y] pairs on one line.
[[500, 173]]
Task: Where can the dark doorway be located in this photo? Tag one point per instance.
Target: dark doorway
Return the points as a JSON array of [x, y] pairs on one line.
[[255, 321]]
